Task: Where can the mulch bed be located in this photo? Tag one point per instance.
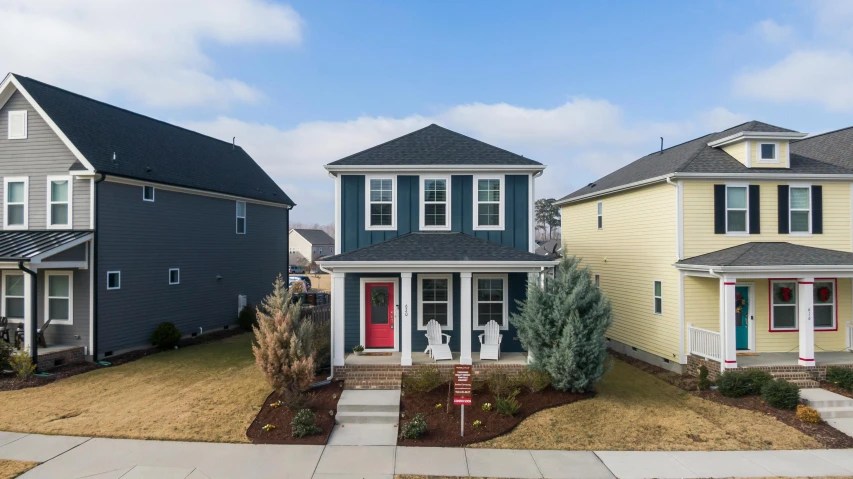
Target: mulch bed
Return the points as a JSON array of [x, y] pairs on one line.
[[837, 390], [823, 433], [8, 381], [443, 429], [321, 403]]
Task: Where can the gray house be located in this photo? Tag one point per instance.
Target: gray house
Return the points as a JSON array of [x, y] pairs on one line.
[[113, 222], [308, 245]]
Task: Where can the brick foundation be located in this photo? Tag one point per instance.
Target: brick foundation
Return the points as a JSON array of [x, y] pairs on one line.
[[695, 362], [391, 371], [68, 356], [817, 373]]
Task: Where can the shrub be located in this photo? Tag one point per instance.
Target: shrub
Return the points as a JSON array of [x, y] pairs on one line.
[[534, 380], [5, 354], [304, 424], [247, 319], [508, 405], [415, 428], [781, 394], [808, 414], [297, 287], [322, 345], [743, 382], [284, 349], [704, 382], [22, 364], [166, 336], [563, 326], [296, 400], [478, 383], [500, 384], [841, 377], [422, 379]]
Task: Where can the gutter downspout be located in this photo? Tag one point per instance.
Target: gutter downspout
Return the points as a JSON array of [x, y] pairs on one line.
[[94, 270], [332, 338], [34, 300]]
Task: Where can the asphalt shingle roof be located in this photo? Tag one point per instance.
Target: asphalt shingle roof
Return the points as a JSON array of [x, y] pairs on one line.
[[437, 246], [149, 149], [772, 254], [24, 245], [434, 145], [315, 236]]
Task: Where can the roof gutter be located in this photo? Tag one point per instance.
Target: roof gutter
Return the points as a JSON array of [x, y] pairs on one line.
[[615, 189], [433, 168], [763, 269], [33, 331]]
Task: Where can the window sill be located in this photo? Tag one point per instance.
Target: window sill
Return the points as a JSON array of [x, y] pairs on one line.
[[737, 234], [59, 227], [770, 161], [488, 228], [483, 328], [795, 330], [15, 228], [62, 323], [435, 228], [443, 328], [381, 228], [800, 235]]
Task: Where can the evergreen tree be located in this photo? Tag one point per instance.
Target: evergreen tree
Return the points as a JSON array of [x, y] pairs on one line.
[[563, 327]]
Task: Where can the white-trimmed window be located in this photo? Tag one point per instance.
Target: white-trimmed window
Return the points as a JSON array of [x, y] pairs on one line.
[[435, 300], [59, 191], [824, 305], [768, 153], [490, 300], [600, 210], [17, 192], [597, 280], [800, 202], [17, 125], [658, 297], [381, 203], [488, 202], [783, 305], [174, 276], [147, 193], [737, 209], [241, 217], [435, 203], [59, 296], [14, 302], [113, 279]]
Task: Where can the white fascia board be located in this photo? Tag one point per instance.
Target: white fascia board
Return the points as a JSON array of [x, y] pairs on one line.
[[763, 271], [437, 266], [765, 176], [758, 135], [607, 191], [434, 169], [192, 191]]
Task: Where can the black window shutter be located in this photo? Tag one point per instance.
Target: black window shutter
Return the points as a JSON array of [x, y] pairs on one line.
[[720, 209], [817, 209], [754, 210], [783, 210]]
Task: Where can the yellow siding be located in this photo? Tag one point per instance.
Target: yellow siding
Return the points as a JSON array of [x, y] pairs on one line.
[[702, 302], [698, 210], [635, 247], [737, 150], [755, 148]]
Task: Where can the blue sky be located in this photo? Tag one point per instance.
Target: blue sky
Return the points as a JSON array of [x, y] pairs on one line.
[[582, 87]]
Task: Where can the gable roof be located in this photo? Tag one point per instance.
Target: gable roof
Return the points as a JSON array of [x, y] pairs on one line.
[[151, 150], [771, 254], [434, 145], [695, 156], [314, 236]]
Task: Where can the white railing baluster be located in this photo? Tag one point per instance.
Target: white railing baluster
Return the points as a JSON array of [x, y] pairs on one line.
[[705, 343]]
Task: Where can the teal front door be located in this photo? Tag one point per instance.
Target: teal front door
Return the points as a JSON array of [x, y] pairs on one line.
[[742, 317]]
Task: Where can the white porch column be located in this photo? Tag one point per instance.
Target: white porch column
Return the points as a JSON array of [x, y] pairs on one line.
[[805, 302], [728, 327], [405, 320], [338, 319], [29, 319], [465, 324]]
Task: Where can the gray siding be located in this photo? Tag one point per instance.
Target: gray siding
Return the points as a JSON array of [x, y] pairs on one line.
[[77, 253], [194, 233], [41, 155], [77, 333]]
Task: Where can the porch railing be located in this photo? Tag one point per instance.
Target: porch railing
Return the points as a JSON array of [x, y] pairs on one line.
[[849, 336], [705, 343]]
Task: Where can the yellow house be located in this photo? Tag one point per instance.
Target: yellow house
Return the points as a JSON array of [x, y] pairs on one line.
[[731, 250]]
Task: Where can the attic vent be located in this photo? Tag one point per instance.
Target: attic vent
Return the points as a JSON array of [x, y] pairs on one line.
[[18, 125], [591, 185]]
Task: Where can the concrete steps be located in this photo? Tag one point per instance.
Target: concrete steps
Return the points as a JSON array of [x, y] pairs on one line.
[[801, 378], [373, 380], [829, 404], [369, 407]]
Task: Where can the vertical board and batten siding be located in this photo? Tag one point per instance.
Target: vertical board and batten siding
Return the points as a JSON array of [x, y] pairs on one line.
[[516, 232], [192, 232], [40, 155], [698, 211], [636, 246]]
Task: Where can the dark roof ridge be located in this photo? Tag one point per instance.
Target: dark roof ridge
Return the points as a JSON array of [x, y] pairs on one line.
[[386, 142], [821, 134], [749, 248]]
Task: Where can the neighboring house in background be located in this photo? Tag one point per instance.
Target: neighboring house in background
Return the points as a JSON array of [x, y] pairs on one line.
[[738, 241], [550, 248], [309, 245], [123, 221], [433, 225]]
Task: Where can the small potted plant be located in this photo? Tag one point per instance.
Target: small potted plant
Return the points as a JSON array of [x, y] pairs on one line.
[[358, 350]]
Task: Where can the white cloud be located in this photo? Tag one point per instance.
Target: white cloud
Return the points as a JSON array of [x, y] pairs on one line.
[[151, 51], [720, 118], [773, 33]]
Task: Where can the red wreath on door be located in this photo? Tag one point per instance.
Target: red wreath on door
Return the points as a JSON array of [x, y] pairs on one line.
[[823, 294]]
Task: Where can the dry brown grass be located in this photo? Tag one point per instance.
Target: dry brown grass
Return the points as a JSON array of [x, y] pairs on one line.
[[13, 469], [209, 392], [636, 411]]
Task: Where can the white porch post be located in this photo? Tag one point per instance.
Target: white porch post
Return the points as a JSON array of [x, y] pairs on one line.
[[805, 301], [338, 318], [728, 326], [29, 319], [465, 324], [406, 318]]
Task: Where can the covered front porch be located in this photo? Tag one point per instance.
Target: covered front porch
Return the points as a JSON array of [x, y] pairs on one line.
[[828, 358], [394, 358]]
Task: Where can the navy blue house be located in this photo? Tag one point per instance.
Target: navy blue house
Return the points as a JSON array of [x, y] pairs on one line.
[[433, 225]]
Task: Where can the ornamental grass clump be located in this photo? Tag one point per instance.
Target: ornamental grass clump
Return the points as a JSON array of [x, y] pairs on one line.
[[508, 405], [422, 379], [415, 428], [808, 414], [304, 424], [534, 380], [22, 364], [283, 346], [781, 394]]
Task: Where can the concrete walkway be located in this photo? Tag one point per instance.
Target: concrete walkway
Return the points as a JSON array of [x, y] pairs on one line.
[[77, 457]]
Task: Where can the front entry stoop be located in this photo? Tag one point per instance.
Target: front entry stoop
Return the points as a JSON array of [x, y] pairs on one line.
[[366, 418], [801, 378]]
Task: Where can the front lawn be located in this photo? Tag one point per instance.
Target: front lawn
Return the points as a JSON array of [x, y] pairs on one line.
[[209, 392], [13, 469], [637, 411]]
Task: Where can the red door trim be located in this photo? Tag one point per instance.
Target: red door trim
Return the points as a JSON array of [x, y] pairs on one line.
[[380, 337]]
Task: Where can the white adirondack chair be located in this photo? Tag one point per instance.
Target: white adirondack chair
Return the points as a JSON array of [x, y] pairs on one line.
[[490, 342], [438, 349]]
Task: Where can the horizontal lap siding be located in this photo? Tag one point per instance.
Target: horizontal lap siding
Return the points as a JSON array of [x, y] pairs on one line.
[[702, 302], [635, 248], [40, 155], [77, 333], [194, 233]]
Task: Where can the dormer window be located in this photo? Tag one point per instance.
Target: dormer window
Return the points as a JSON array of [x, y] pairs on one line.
[[768, 152]]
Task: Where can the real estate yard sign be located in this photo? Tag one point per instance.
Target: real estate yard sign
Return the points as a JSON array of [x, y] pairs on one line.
[[462, 378]]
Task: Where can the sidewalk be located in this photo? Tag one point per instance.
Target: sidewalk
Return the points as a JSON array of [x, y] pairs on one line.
[[75, 457]]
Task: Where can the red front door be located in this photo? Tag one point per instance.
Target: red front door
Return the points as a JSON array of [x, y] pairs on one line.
[[379, 315]]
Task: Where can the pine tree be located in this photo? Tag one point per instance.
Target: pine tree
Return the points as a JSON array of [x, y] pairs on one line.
[[563, 327]]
